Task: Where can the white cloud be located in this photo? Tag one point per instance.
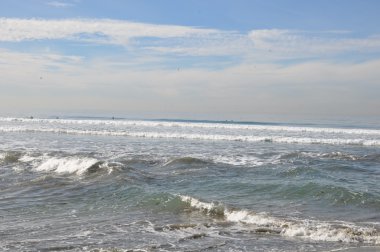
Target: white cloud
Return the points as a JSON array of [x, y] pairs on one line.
[[103, 31], [261, 45], [271, 45], [58, 4], [288, 43]]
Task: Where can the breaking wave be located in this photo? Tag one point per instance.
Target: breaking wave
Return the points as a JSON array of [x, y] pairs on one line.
[[210, 137], [336, 231], [203, 125], [70, 165], [60, 165]]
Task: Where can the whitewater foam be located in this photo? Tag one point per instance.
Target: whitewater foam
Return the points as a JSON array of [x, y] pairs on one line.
[[28, 159], [310, 229], [240, 161], [70, 165], [205, 125], [211, 137]]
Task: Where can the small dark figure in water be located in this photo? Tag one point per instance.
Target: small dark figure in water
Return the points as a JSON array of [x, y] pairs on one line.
[[31, 117], [113, 118]]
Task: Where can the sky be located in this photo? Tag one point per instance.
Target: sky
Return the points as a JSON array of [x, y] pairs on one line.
[[213, 59]]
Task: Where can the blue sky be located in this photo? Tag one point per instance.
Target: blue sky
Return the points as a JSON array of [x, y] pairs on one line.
[[230, 59]]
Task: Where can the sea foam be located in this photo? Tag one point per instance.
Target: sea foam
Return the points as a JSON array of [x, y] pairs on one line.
[[337, 231], [69, 165], [204, 125], [196, 136]]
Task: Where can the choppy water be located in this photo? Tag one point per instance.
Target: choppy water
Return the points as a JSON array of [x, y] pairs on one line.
[[122, 185]]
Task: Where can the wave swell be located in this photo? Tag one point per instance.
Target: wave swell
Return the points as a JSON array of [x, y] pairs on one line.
[[211, 137], [70, 165], [201, 125], [310, 229]]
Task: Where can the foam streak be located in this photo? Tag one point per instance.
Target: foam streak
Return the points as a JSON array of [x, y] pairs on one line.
[[310, 229]]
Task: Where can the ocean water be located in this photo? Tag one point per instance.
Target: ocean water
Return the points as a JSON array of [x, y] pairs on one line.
[[86, 184]]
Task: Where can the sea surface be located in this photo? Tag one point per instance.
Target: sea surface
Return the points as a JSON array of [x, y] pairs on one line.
[[98, 184]]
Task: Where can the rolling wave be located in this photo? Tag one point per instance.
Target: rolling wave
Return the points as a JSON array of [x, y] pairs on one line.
[[336, 231], [207, 137], [76, 165], [70, 165], [200, 125]]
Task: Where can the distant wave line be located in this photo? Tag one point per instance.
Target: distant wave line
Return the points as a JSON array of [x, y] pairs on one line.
[[277, 128], [212, 137]]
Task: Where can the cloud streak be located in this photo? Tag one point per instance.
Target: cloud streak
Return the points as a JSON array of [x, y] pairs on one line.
[[102, 31], [58, 4], [288, 42], [264, 45]]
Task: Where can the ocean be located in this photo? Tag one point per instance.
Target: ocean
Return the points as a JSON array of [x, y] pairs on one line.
[[103, 184]]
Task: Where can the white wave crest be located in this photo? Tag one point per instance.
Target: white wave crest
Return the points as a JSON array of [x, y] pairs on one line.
[[203, 125], [197, 203], [209, 137], [330, 155], [68, 165], [311, 229], [244, 160]]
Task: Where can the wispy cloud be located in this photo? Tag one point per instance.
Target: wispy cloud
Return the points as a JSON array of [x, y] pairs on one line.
[[274, 44], [264, 45], [297, 43], [98, 31], [59, 4]]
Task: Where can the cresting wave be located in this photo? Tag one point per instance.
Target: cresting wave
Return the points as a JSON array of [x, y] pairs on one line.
[[204, 125], [212, 137], [310, 229], [70, 165], [75, 165]]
